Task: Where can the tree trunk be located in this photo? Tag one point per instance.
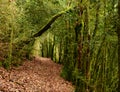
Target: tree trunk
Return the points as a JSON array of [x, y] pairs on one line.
[[36, 47], [86, 38]]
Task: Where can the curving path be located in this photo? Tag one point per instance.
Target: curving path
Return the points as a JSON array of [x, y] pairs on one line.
[[39, 75]]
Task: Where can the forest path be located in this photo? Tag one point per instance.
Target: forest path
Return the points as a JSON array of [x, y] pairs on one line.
[[40, 75]]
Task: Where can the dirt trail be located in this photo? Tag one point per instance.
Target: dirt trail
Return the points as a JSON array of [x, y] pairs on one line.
[[39, 75]]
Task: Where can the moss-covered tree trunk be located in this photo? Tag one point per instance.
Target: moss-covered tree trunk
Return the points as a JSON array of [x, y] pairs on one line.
[[36, 47], [86, 46]]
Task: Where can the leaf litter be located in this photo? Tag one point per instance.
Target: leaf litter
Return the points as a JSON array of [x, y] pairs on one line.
[[38, 75]]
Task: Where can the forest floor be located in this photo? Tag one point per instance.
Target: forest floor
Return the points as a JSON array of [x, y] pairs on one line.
[[39, 75]]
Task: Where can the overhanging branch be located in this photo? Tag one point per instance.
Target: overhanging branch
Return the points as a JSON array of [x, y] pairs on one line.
[[48, 25], [44, 28]]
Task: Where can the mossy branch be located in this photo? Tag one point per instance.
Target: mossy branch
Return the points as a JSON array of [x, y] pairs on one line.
[[48, 25], [43, 29]]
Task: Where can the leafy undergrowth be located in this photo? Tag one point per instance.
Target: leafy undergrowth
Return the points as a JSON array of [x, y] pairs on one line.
[[39, 75]]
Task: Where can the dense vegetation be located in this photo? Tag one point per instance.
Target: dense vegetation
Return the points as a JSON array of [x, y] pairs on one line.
[[82, 35]]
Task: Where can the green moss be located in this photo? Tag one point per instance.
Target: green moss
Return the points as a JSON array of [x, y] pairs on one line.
[[0, 64]]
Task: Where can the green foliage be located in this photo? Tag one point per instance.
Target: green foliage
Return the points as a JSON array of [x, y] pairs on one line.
[[7, 64], [101, 46], [89, 54], [0, 64]]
